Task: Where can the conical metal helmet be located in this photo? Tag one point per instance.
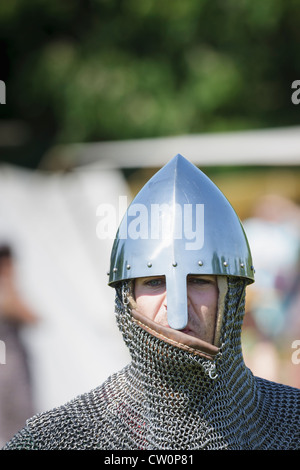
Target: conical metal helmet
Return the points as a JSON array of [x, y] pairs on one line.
[[180, 223]]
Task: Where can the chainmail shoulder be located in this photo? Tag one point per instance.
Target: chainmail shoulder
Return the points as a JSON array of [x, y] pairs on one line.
[[87, 422], [108, 418]]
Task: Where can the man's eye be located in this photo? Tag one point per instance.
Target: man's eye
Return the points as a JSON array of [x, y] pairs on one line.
[[198, 281], [155, 282]]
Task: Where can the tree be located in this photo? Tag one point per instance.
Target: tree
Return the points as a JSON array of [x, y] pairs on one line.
[[116, 69]]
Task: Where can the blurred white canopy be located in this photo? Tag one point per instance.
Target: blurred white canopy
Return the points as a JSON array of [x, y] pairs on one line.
[[50, 221], [277, 146]]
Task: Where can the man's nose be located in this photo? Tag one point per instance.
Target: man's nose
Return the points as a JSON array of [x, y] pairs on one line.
[[164, 301]]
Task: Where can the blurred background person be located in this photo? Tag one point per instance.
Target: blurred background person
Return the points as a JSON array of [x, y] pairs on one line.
[[274, 235], [16, 403]]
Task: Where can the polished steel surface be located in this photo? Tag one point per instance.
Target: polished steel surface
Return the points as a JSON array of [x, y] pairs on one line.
[[180, 223]]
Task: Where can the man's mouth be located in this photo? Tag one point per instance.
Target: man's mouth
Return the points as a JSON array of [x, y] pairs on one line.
[[187, 331]]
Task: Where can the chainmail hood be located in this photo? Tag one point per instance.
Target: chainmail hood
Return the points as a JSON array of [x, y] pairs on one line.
[[172, 398], [190, 402]]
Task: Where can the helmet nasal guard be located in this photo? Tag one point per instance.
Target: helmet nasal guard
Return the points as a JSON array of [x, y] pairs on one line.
[[180, 223]]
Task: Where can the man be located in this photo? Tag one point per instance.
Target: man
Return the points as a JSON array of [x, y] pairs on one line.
[[180, 264]]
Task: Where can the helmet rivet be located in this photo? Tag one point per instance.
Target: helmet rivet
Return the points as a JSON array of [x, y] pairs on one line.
[[242, 265], [149, 265], [115, 270], [252, 268], [174, 264], [108, 273], [128, 266], [200, 263], [225, 264]]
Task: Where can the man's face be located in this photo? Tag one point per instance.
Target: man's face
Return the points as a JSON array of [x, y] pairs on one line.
[[202, 302]]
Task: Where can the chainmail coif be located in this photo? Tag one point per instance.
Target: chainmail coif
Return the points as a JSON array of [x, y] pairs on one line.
[[168, 398]]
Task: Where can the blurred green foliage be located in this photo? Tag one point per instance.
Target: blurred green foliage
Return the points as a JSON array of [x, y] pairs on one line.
[[97, 70]]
